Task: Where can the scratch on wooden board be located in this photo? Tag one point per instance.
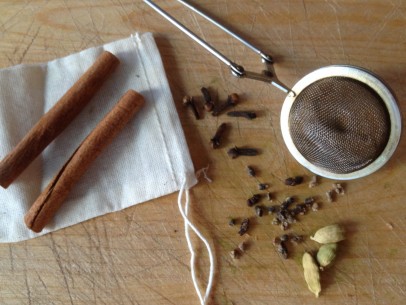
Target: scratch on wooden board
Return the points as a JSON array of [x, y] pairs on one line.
[[27, 285], [382, 26], [11, 257], [61, 269], [338, 26], [27, 48], [391, 228], [309, 26], [370, 269]]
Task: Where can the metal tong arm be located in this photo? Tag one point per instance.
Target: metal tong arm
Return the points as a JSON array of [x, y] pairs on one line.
[[236, 69], [266, 58]]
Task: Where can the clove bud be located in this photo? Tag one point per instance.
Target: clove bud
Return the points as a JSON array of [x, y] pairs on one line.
[[232, 100], [237, 151], [208, 101], [250, 115], [216, 140], [188, 101]]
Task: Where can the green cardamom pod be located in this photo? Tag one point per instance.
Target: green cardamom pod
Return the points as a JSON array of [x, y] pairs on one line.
[[329, 234], [311, 273], [326, 255]]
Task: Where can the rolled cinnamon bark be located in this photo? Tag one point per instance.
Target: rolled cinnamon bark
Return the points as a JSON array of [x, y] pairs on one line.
[[57, 118], [58, 189]]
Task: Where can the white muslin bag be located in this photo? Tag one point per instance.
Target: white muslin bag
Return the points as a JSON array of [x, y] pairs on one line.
[[147, 160]]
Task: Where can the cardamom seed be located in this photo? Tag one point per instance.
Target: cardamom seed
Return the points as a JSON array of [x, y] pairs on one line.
[[311, 274], [326, 255], [329, 234]]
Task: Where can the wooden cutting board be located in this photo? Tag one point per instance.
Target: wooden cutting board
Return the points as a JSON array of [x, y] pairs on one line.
[[139, 255]]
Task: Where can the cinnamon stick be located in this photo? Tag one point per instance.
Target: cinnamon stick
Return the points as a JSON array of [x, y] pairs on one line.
[[50, 200], [57, 118]]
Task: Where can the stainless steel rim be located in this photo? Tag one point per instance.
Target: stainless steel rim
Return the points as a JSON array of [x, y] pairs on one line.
[[370, 80]]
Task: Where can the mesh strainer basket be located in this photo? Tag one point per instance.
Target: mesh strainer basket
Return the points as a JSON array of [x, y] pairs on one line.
[[340, 122]]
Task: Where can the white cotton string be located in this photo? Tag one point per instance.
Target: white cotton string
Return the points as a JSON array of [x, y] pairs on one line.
[[192, 252], [188, 224], [203, 171]]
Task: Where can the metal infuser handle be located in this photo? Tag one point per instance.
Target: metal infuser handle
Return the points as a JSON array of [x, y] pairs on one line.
[[234, 67], [265, 57], [236, 70]]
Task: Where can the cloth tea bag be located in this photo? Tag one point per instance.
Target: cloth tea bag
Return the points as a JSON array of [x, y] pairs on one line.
[[148, 159]]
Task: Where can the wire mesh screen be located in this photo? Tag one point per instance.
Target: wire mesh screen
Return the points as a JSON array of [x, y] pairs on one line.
[[339, 124]]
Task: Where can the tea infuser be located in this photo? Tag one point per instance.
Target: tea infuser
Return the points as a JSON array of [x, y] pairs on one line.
[[340, 122]]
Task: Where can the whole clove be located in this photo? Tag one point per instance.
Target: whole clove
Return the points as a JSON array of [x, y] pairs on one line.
[[232, 100], [237, 151], [208, 101], [216, 140], [244, 226], [250, 115], [292, 181], [253, 200], [188, 101]]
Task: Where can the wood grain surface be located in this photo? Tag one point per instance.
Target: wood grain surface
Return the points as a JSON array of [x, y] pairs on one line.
[[139, 255]]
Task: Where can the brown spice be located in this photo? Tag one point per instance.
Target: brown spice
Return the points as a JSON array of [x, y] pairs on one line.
[[238, 151], [250, 115], [292, 181], [189, 101], [47, 204], [217, 138], [57, 118], [244, 226], [253, 200], [232, 100], [208, 101]]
